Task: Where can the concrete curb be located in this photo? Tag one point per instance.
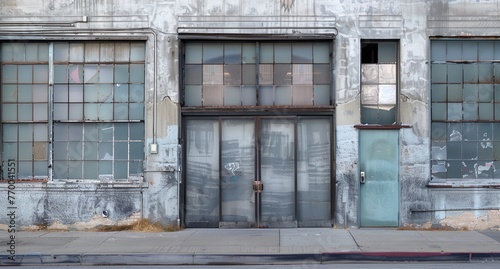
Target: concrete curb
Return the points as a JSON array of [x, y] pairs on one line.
[[242, 259]]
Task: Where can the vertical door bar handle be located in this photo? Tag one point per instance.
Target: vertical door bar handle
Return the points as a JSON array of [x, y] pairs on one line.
[[258, 186], [362, 178]]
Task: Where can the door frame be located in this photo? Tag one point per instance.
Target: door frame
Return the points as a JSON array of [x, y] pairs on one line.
[[258, 119]]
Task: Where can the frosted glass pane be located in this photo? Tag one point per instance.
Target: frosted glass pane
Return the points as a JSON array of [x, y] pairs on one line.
[[496, 68], [10, 151], [137, 73], [40, 169], [322, 95], [193, 74], [9, 112], [497, 112], [232, 96], [282, 53], [136, 131], [121, 131], [321, 74], [18, 52], [40, 93], [91, 132], [485, 73], [60, 150], [7, 52], [438, 92], [136, 111], [369, 73], [266, 53], [76, 111], [91, 94], [61, 52], [438, 51], [76, 74], [438, 73], [25, 132], [302, 74], [121, 93], [454, 111], [486, 111], [469, 131], [387, 73], [193, 53], [105, 168], [438, 131], [213, 95], [137, 93], [283, 95], [41, 74], [248, 76], [137, 52], [120, 170], [60, 73], [9, 74], [469, 150], [266, 96], [75, 132], [213, 53], [9, 132], [90, 111], [248, 54], [232, 53], [25, 93], [470, 111], [91, 52], [75, 150], [471, 73], [136, 150], [192, 96], [9, 93], [454, 73], [283, 74], [369, 95], [61, 132], [90, 73], [24, 112], [26, 151], [25, 73], [61, 93], [249, 96], [266, 72], [105, 151], [213, 74], [485, 93], [90, 170], [60, 170], [121, 73], [105, 111], [387, 52], [76, 93], [387, 94], [60, 111], [438, 111], [469, 52], [470, 93], [107, 52], [121, 150], [302, 95], [302, 53], [485, 50], [120, 111], [455, 93], [74, 170], [106, 74], [135, 168], [122, 52], [40, 150], [454, 50], [90, 150], [232, 75], [25, 170], [31, 52], [105, 93], [321, 53]]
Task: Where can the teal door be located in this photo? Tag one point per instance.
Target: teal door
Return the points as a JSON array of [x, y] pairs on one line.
[[378, 177]]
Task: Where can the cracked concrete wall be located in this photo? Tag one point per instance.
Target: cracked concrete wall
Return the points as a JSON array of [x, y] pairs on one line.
[[410, 22]]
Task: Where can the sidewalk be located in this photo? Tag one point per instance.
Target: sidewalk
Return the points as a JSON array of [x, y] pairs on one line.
[[248, 246]]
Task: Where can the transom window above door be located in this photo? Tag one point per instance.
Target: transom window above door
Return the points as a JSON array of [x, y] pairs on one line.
[[257, 74]]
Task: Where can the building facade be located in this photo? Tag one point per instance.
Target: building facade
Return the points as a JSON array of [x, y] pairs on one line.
[[229, 113]]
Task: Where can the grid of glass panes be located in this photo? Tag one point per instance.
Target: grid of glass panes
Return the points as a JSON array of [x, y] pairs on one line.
[[379, 83], [24, 92], [231, 73], [465, 97], [104, 82]]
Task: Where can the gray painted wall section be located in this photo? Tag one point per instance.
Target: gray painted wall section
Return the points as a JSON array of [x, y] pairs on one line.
[[78, 205]]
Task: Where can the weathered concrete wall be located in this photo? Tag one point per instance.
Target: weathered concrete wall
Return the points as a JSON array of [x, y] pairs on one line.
[[74, 205]]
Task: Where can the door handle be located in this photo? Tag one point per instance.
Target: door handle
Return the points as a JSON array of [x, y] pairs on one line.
[[258, 186], [362, 178]]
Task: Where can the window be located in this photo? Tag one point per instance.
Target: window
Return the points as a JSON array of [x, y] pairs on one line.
[[94, 109], [465, 96], [257, 74], [379, 82]]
